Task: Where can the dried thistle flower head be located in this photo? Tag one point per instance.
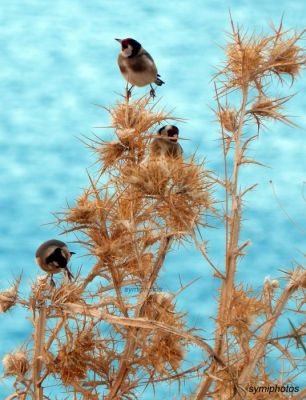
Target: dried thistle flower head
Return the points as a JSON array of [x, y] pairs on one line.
[[244, 58], [126, 115], [16, 363], [297, 279], [132, 122], [114, 248], [244, 310], [159, 307], [149, 179], [182, 191], [73, 357], [126, 136], [130, 147], [228, 119], [165, 354], [252, 59], [162, 352], [136, 116], [111, 152], [264, 107], [287, 58], [85, 211], [303, 280], [8, 297], [69, 365], [40, 288], [137, 267], [68, 292]]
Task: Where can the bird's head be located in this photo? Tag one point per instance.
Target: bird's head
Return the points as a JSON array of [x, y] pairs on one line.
[[62, 251], [66, 253], [170, 131], [129, 47]]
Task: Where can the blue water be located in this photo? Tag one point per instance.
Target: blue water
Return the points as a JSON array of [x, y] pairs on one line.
[[58, 59]]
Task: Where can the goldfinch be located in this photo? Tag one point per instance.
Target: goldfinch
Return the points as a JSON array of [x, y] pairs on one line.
[[53, 256], [137, 66], [166, 145]]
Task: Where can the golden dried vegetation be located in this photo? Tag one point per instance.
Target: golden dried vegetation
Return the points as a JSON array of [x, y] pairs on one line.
[[110, 333]]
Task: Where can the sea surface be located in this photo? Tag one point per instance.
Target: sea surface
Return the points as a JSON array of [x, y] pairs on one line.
[[58, 60]]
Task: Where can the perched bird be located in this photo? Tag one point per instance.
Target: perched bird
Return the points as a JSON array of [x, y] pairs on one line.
[[166, 145], [52, 256], [137, 66]]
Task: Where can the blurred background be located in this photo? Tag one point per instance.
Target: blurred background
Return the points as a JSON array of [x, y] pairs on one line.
[[59, 60]]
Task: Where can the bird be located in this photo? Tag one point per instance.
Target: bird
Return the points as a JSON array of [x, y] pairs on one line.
[[137, 66], [166, 145], [53, 256]]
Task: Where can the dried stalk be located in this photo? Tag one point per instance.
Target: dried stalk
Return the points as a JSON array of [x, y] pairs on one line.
[[241, 73], [234, 218], [142, 323], [132, 340], [261, 343], [39, 338]]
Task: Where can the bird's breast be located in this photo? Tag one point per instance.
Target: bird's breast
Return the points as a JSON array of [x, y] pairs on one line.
[[137, 70]]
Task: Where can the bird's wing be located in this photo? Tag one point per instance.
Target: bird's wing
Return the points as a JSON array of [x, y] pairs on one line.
[[148, 55], [181, 148], [57, 259]]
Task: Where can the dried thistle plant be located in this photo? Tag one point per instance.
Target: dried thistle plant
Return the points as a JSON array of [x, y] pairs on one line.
[[128, 225], [245, 323], [228, 118], [92, 336], [16, 363], [8, 297]]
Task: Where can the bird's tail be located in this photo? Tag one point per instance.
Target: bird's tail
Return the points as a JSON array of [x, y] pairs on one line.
[[158, 81]]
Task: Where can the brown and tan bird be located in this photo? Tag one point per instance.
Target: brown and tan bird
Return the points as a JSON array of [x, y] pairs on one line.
[[166, 145], [53, 256], [137, 66]]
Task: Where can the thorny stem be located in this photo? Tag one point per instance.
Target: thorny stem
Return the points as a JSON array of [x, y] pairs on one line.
[[233, 234], [261, 342], [232, 238], [54, 333], [132, 341], [205, 255], [144, 323], [225, 176], [39, 337]]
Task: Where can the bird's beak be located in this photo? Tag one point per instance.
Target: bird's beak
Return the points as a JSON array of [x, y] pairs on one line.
[[119, 40], [72, 252]]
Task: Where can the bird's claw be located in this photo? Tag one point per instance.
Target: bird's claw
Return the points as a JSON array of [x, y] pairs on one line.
[[52, 283], [128, 94], [152, 93]]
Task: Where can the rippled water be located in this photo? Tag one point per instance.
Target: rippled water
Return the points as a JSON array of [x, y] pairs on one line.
[[58, 59]]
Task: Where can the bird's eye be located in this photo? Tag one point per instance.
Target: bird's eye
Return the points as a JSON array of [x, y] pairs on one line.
[[124, 46], [173, 132]]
